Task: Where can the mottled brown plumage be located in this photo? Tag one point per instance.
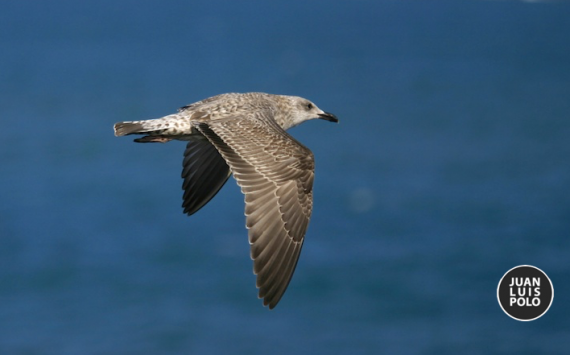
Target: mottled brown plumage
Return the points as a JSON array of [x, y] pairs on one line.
[[244, 134]]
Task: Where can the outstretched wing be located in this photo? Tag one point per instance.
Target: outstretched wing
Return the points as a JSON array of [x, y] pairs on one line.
[[275, 172], [204, 172]]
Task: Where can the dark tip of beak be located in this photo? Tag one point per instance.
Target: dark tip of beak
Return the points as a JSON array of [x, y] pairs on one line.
[[328, 117]]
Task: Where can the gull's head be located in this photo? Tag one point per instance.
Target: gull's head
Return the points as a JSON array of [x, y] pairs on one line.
[[302, 110]]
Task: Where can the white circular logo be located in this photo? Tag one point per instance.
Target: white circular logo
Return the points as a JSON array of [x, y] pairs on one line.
[[525, 293]]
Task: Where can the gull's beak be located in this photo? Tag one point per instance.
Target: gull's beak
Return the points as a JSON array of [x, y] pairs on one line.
[[328, 117]]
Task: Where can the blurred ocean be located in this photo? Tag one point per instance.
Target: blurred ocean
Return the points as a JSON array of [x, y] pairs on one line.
[[451, 165]]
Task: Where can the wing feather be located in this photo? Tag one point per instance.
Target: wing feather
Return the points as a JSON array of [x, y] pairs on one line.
[[275, 173], [204, 172]]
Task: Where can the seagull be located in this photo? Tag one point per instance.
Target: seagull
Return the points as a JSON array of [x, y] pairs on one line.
[[244, 134]]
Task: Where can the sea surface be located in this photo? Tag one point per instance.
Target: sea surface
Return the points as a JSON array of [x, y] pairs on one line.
[[450, 166]]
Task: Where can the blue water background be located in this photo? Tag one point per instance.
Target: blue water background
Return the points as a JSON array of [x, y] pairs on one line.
[[451, 165]]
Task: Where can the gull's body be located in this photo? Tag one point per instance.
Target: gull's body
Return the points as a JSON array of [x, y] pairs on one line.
[[244, 135]]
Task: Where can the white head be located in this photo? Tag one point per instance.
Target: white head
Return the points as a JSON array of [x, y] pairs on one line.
[[301, 110]]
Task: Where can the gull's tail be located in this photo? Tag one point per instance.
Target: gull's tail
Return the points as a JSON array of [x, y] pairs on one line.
[[131, 127], [159, 130]]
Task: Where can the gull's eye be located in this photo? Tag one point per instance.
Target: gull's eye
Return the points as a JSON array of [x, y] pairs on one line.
[[309, 106]]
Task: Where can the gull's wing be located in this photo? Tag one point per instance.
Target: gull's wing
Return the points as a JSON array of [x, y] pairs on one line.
[[275, 172], [204, 172]]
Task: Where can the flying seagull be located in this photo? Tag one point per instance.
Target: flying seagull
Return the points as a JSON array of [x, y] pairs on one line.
[[244, 135]]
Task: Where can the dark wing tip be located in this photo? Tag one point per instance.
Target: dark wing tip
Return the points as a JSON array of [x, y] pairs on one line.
[[185, 107], [204, 172]]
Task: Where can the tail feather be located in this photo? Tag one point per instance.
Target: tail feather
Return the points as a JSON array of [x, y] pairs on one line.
[[167, 125], [125, 128]]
